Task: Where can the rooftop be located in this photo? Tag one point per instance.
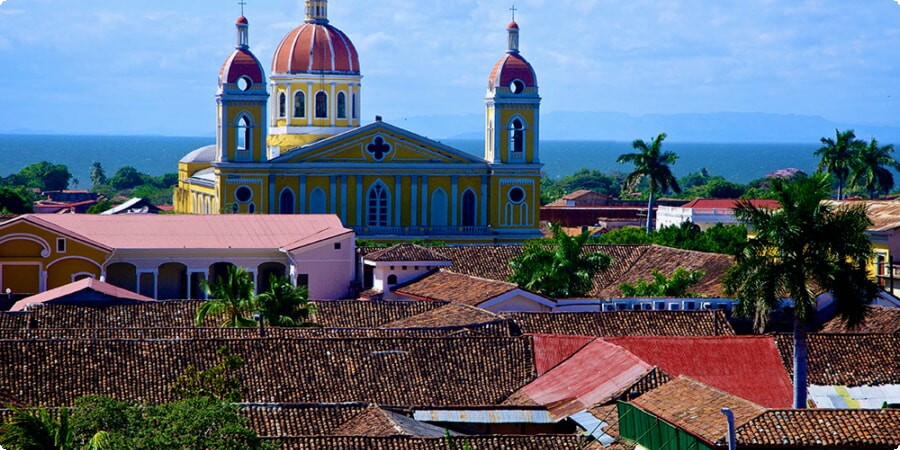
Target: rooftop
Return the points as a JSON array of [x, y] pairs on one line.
[[879, 319], [406, 253], [453, 287], [625, 323], [808, 428], [847, 359]]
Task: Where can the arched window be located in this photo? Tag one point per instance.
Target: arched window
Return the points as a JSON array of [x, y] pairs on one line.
[[469, 214], [517, 136], [286, 202], [282, 104], [317, 201], [321, 105], [379, 201], [242, 134], [341, 105], [354, 112], [439, 208], [392, 280], [299, 105]]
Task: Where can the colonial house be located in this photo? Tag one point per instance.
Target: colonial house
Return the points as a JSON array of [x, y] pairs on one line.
[[704, 212]]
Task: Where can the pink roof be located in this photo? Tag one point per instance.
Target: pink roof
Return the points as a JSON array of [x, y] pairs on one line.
[[746, 366], [596, 373], [175, 231], [728, 203], [80, 285], [551, 349]]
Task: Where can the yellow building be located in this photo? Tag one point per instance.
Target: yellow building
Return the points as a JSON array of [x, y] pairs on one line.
[[385, 182]]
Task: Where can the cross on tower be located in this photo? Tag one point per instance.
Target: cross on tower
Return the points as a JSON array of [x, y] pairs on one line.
[[242, 3], [513, 9]]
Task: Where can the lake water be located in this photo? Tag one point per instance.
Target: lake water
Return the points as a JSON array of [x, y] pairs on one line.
[[157, 155]]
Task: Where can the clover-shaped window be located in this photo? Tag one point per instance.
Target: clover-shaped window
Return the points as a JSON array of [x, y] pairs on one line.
[[378, 148]]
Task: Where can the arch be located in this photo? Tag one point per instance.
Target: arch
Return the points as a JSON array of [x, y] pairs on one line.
[[82, 275], [171, 281], [286, 201], [321, 105], [243, 133], [439, 208], [60, 272], [218, 270], [378, 210], [282, 104], [299, 105], [123, 275], [341, 105], [517, 135], [264, 270], [44, 245], [391, 280], [469, 208], [317, 201], [251, 208]]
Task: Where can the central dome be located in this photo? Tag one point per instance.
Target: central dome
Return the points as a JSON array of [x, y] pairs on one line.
[[316, 47]]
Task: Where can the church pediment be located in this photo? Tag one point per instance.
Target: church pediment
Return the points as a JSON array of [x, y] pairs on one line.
[[377, 142]]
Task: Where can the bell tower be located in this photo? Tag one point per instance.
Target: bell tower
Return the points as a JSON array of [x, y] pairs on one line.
[[512, 107], [241, 104]]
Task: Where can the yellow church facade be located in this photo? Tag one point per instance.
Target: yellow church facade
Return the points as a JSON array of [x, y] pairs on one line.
[[295, 145]]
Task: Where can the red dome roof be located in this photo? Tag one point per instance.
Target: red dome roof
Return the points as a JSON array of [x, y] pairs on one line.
[[512, 66], [241, 21], [318, 48], [241, 63], [512, 26]]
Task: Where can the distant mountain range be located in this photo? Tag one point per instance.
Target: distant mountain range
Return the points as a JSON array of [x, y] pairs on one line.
[[612, 126]]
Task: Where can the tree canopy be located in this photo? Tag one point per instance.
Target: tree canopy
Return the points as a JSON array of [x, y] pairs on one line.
[[558, 268], [652, 163], [46, 176], [678, 285]]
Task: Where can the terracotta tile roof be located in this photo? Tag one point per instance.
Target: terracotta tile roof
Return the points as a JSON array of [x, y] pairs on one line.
[[696, 408], [630, 263], [541, 442], [453, 287], [398, 372], [885, 215], [104, 293], [280, 420], [180, 314], [177, 231], [746, 366], [625, 323], [406, 253], [496, 329], [847, 359], [451, 315], [377, 422], [879, 319], [818, 428]]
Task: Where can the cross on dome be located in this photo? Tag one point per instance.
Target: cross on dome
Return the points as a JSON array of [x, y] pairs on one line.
[[243, 3], [513, 9]]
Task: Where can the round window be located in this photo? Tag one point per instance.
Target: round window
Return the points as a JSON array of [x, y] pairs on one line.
[[244, 83], [517, 87], [516, 195], [243, 194]]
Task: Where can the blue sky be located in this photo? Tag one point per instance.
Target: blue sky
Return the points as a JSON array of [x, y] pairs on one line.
[[124, 67]]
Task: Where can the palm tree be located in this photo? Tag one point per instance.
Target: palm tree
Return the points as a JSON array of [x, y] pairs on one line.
[[559, 270], [807, 247], [837, 156], [871, 168], [231, 295], [653, 163], [38, 430], [285, 305]]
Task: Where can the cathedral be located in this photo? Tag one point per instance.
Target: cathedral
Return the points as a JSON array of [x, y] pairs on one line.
[[294, 144]]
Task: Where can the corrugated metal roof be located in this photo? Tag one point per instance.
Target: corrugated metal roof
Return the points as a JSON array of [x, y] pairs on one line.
[[746, 366], [550, 350], [596, 373], [594, 427]]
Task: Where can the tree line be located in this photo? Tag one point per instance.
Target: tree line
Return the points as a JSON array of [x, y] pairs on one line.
[[19, 190]]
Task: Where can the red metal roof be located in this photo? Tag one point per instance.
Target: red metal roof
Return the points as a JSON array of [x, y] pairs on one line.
[[182, 231], [746, 366], [550, 350], [241, 63], [316, 47], [596, 373], [80, 285], [241, 21], [512, 66], [727, 203], [512, 26]]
